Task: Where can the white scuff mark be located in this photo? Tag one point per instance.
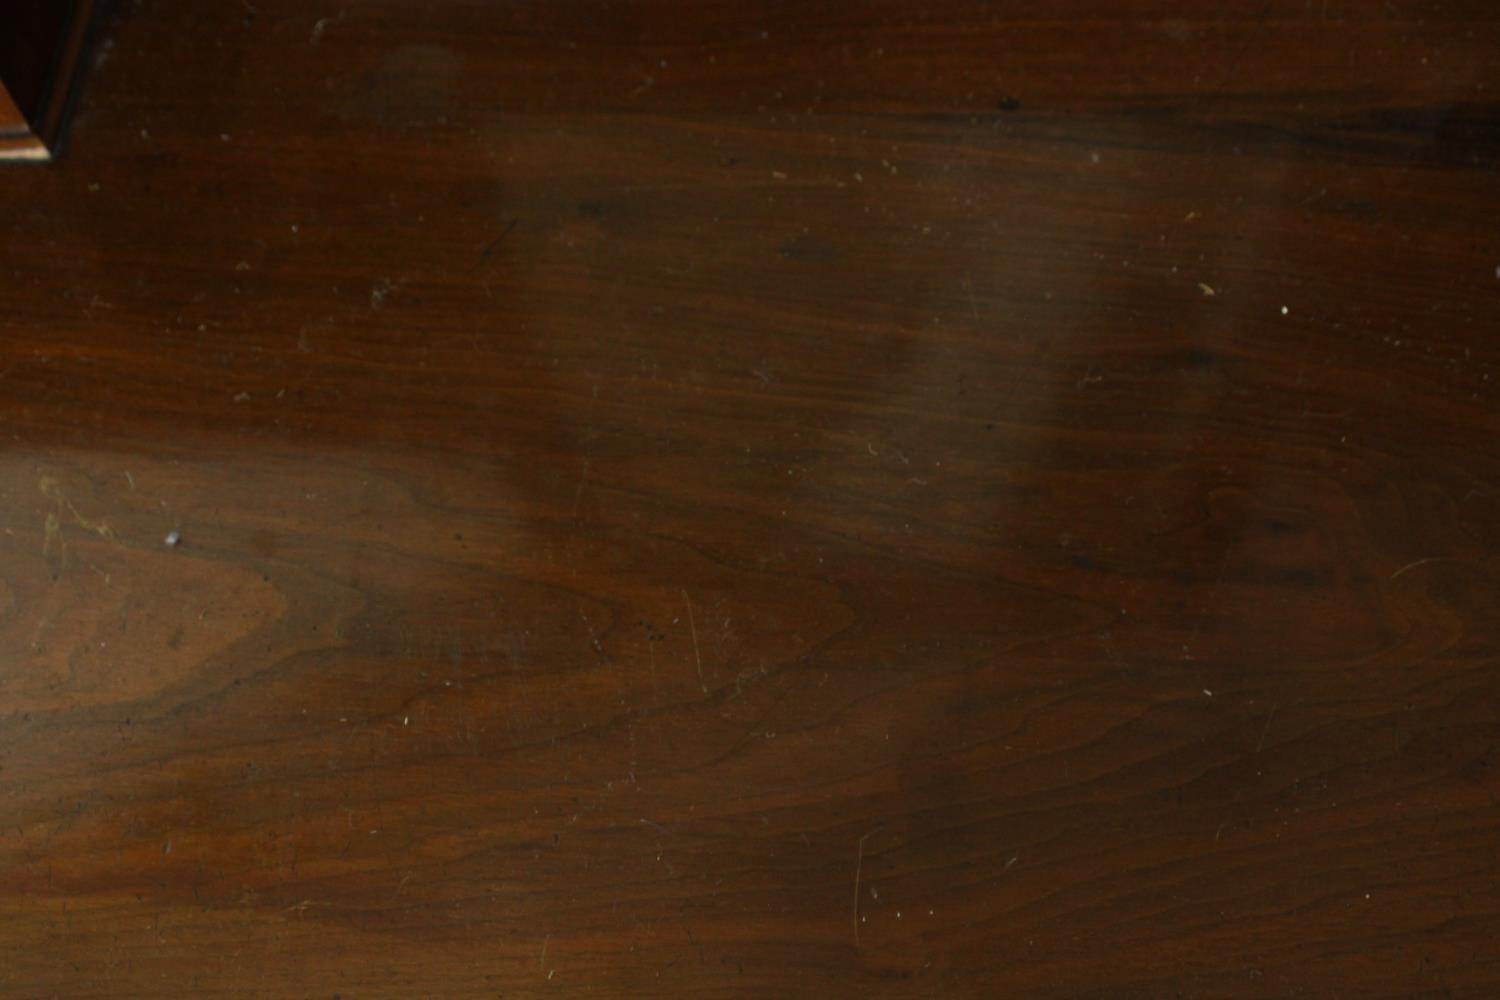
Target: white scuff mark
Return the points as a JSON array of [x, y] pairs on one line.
[[52, 491], [1420, 562]]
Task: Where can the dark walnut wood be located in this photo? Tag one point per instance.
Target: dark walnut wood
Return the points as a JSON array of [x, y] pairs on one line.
[[41, 42], [792, 499]]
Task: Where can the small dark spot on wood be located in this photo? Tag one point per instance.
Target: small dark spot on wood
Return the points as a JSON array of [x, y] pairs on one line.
[[263, 543], [492, 244], [1195, 358], [1009, 103], [809, 249]]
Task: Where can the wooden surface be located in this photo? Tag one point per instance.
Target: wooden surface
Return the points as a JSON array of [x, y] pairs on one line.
[[756, 499]]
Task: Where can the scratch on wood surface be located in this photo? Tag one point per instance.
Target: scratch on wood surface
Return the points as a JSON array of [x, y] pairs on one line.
[[1260, 744], [51, 535], [489, 247], [593, 636], [859, 867], [1421, 562], [53, 492], [583, 482], [693, 628]]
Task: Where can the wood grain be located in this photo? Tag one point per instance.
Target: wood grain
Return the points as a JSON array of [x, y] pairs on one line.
[[723, 499]]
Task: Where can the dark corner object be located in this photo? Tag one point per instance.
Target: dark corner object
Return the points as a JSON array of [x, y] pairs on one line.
[[40, 42]]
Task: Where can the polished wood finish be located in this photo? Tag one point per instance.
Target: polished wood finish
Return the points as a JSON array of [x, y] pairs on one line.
[[722, 499], [41, 42]]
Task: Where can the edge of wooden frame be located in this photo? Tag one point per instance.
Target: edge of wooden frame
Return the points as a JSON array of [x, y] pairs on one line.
[[42, 138]]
